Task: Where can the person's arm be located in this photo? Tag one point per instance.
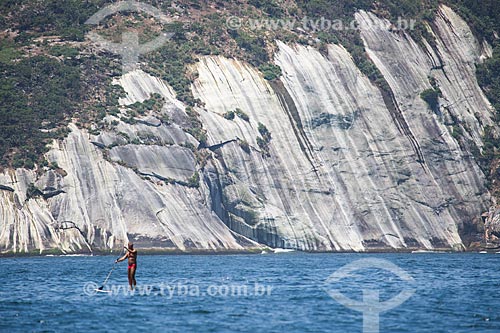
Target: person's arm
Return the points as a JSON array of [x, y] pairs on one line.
[[125, 256]]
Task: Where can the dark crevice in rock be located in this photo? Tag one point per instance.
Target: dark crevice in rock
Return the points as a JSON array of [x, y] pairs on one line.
[[374, 244], [51, 194], [439, 243], [319, 191], [98, 144], [212, 179], [239, 221], [436, 50], [388, 234], [6, 188], [67, 225], [219, 145], [147, 123], [293, 114], [101, 238], [166, 179], [159, 177], [411, 242], [268, 235], [402, 125], [154, 175]]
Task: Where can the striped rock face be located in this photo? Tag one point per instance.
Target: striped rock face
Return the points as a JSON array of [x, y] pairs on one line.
[[320, 160]]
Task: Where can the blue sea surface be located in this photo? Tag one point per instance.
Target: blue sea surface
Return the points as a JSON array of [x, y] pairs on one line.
[[249, 293]]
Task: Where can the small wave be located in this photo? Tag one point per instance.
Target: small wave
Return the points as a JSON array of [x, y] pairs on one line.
[[201, 311], [283, 250]]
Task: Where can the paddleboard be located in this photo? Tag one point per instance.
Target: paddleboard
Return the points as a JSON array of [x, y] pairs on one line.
[[102, 291]]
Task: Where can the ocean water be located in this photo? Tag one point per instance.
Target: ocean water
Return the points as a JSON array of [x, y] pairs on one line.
[[287, 292]]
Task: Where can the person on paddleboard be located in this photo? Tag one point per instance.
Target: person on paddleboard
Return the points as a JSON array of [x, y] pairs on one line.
[[132, 264]]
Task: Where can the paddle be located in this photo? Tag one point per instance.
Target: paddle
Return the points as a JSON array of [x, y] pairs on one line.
[[107, 277]]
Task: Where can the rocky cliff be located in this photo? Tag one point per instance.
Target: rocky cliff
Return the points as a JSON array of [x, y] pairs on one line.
[[320, 160]]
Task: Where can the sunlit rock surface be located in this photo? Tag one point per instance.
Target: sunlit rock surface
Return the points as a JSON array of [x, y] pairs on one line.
[[113, 196], [325, 161]]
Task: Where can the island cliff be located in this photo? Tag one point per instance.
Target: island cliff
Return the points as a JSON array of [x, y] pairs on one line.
[[320, 159]]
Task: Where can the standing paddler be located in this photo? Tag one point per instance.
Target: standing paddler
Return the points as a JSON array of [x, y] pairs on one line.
[[132, 264]]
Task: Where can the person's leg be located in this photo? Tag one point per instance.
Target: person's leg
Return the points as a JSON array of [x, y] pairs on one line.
[[130, 277], [132, 271]]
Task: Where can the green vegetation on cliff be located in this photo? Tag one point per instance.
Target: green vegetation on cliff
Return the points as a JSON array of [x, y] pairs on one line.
[[484, 18], [488, 75], [37, 94], [431, 97], [50, 74]]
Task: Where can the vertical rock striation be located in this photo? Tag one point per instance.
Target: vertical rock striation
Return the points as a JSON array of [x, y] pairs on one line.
[[409, 69]]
